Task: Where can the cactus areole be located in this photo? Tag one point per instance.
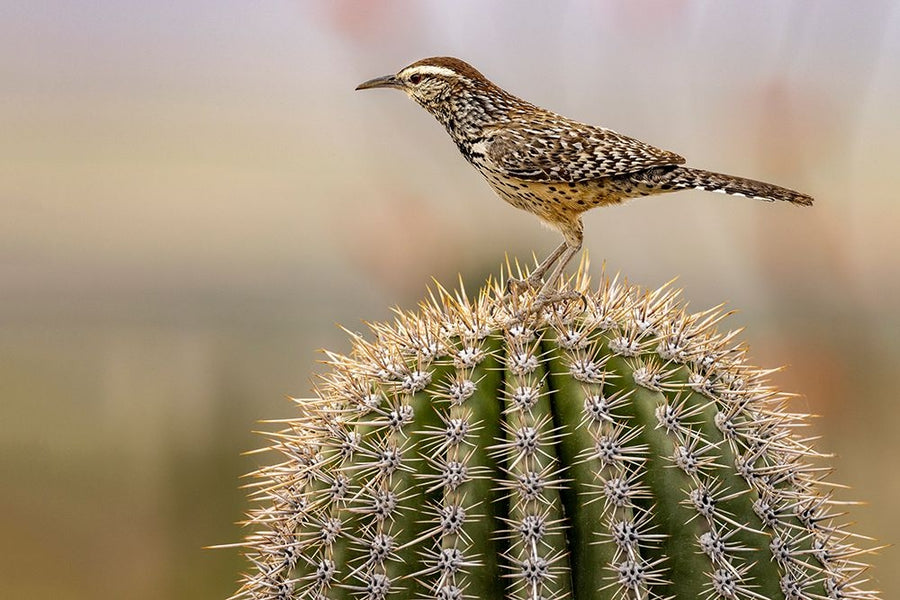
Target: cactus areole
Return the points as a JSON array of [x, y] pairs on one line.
[[613, 446]]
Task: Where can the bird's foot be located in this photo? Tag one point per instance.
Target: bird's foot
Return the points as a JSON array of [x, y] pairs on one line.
[[516, 286], [545, 300]]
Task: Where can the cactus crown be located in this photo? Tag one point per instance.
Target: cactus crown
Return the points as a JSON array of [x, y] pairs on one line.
[[618, 447]]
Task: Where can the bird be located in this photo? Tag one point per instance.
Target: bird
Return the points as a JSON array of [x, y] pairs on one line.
[[551, 166]]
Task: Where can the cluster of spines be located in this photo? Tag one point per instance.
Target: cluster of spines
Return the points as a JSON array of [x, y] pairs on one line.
[[618, 430]]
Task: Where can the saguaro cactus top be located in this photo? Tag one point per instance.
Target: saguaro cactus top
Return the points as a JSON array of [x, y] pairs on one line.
[[611, 447]]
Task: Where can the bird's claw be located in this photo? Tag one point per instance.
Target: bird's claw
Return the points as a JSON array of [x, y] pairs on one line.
[[515, 285], [543, 300]]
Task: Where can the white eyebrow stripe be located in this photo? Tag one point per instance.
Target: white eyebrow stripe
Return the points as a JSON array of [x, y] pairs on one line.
[[433, 70]]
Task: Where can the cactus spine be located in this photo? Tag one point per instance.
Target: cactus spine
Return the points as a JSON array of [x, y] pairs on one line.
[[616, 447]]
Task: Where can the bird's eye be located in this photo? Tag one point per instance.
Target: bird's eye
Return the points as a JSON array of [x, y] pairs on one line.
[[415, 78]]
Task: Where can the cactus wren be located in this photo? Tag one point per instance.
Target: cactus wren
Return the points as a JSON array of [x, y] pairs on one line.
[[549, 165]]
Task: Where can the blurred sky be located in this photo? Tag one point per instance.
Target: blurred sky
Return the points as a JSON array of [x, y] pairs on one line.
[[192, 195]]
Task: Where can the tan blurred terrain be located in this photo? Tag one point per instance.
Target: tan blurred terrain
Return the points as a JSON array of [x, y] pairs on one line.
[[191, 196]]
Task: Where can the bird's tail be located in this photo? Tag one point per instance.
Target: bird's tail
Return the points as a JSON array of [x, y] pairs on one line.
[[682, 178]]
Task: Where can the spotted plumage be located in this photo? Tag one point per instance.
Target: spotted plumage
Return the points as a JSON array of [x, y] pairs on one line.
[[551, 166]]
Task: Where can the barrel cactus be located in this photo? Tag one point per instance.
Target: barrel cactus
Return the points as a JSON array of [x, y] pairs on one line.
[[607, 445]]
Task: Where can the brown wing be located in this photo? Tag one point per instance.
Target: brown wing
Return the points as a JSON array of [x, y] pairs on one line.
[[553, 148]]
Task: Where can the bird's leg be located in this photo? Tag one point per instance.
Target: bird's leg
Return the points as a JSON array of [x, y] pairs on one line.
[[537, 275], [551, 282], [546, 295], [574, 234]]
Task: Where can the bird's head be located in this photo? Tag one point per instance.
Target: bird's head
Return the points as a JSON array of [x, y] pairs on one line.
[[432, 81]]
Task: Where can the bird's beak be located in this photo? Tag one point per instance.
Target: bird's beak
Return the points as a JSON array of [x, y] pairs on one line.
[[388, 81]]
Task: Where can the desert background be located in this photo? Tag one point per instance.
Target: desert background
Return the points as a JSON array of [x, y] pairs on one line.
[[192, 197]]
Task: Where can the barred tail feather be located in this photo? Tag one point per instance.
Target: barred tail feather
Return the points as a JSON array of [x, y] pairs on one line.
[[688, 178]]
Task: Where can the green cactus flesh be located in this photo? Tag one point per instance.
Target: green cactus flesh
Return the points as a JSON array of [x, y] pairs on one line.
[[608, 446]]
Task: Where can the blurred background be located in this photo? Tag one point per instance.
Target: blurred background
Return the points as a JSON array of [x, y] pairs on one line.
[[192, 196]]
